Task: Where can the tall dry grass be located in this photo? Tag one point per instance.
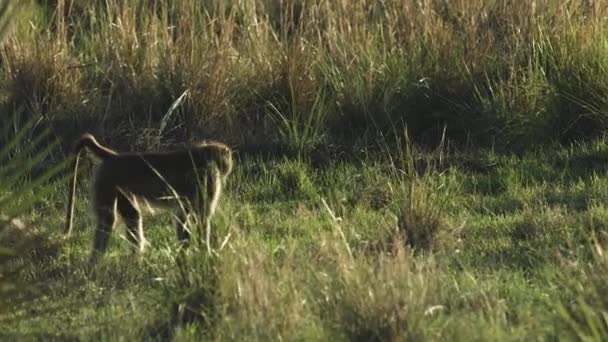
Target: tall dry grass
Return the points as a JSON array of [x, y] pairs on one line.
[[503, 72]]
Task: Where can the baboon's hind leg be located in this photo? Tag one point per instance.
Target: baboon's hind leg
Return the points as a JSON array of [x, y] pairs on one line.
[[129, 210], [181, 227], [105, 209]]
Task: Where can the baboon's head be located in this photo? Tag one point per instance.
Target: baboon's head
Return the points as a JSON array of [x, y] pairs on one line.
[[225, 159], [220, 153]]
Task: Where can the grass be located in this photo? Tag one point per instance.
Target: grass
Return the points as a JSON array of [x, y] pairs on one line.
[[301, 75], [332, 226], [520, 259]]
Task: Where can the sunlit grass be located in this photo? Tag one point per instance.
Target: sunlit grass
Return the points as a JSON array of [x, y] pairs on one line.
[[292, 267], [300, 74]]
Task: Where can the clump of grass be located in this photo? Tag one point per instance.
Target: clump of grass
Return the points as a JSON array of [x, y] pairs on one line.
[[377, 299], [190, 289], [294, 179], [583, 311], [421, 218], [301, 129], [40, 78], [421, 201], [264, 296], [261, 296]]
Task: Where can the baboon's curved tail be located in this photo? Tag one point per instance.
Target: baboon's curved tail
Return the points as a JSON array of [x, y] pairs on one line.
[[67, 231], [88, 141]]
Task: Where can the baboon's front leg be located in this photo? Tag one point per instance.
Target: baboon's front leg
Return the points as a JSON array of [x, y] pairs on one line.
[[208, 203], [129, 210], [208, 234], [205, 221]]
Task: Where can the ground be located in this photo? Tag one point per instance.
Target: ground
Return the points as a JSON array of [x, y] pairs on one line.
[[516, 252]]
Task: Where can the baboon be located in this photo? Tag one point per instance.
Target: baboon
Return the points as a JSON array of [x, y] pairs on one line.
[[187, 181]]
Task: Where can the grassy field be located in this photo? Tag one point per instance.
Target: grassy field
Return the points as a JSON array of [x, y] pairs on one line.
[[517, 253], [405, 170]]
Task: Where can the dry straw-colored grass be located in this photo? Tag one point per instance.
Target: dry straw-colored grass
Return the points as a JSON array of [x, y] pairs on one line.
[[488, 69]]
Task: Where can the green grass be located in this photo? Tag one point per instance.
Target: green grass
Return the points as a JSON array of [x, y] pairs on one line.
[[519, 254]]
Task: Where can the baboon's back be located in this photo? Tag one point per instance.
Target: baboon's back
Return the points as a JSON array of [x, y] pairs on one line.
[[151, 174]]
